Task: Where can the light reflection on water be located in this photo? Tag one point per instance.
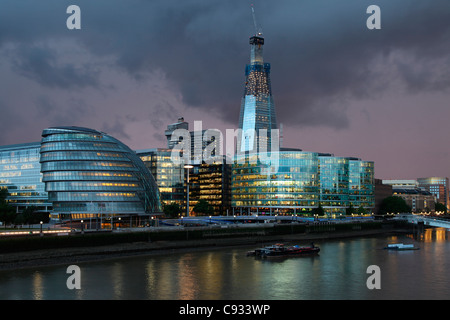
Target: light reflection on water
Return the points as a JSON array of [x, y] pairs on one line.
[[339, 272]]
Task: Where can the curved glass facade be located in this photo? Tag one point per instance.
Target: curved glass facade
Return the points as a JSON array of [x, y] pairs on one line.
[[88, 172]]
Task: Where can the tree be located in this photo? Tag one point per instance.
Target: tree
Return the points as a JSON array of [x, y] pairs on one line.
[[203, 207], [31, 216], [172, 210], [318, 211], [350, 210], [7, 211], [361, 210], [3, 195], [394, 204], [440, 207]]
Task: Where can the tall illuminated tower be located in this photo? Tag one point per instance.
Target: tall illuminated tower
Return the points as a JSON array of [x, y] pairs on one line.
[[257, 106]]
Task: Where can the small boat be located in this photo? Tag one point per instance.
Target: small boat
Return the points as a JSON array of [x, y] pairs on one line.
[[401, 246], [280, 250], [258, 252]]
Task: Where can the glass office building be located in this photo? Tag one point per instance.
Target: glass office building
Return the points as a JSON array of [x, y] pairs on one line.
[[361, 184], [334, 183], [214, 181], [302, 182], [294, 188], [210, 182], [20, 173], [257, 106], [169, 176], [88, 173]]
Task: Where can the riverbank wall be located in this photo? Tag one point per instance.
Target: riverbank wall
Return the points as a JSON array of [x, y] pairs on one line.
[[34, 251], [93, 239]]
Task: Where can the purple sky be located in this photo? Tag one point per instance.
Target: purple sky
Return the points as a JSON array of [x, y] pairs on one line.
[[136, 66]]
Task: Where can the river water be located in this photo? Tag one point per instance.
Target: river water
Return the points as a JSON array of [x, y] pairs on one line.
[[340, 271]]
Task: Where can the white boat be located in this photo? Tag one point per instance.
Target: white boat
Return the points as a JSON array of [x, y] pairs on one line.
[[401, 246]]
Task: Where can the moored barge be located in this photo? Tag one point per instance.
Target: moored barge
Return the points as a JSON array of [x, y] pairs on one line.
[[280, 250]]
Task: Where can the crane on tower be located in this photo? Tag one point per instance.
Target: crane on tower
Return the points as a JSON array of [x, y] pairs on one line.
[[258, 31]]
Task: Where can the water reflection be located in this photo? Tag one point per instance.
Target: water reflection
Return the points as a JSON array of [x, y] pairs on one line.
[[37, 286], [339, 272], [431, 235]]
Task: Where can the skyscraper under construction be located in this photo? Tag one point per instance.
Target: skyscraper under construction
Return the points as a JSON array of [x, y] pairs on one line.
[[257, 106]]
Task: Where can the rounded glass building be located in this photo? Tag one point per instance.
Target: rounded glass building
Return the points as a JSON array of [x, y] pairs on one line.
[[88, 174]]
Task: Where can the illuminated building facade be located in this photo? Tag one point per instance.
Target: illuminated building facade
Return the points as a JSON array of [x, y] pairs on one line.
[[257, 105], [88, 174], [20, 173], [417, 199], [168, 175], [438, 186], [295, 188], [361, 184], [303, 181], [300, 182], [210, 182], [334, 183], [214, 184]]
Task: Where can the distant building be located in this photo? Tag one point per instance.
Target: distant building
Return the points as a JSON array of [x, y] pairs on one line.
[[89, 174], [180, 124], [20, 173], [169, 176], [438, 186], [401, 184], [382, 191], [418, 199], [203, 143]]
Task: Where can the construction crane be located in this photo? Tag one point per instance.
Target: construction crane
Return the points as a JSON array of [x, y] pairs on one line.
[[258, 33]]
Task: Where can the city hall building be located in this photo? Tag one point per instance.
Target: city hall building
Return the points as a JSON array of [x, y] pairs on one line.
[[89, 174]]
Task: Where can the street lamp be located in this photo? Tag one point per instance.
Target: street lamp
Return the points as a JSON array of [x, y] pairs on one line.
[[41, 228], [187, 166]]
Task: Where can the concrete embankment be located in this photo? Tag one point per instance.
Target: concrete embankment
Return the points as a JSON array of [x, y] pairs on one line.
[[61, 251]]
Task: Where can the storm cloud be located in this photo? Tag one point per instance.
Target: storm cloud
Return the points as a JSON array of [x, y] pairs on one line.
[[137, 65]]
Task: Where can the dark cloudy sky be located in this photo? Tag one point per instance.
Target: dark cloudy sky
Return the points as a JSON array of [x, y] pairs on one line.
[[137, 65]]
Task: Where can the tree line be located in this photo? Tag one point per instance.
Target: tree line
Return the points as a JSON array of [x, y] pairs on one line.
[[8, 214]]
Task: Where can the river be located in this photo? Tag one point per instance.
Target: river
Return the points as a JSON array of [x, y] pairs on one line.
[[340, 271]]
